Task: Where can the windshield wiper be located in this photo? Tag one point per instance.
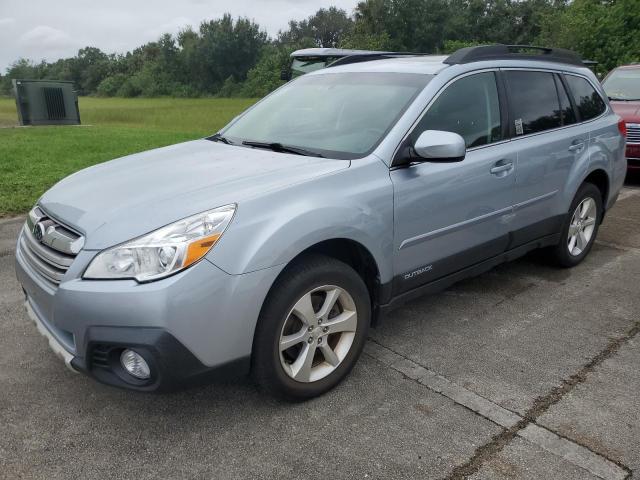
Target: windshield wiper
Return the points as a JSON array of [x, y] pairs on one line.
[[279, 147], [219, 138]]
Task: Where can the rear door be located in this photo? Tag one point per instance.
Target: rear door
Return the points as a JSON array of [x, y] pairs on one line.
[[549, 140], [448, 216]]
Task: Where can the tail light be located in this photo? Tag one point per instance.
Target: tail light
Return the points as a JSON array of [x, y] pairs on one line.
[[622, 126]]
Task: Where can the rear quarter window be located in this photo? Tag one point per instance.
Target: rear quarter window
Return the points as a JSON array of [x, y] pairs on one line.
[[588, 101], [566, 109]]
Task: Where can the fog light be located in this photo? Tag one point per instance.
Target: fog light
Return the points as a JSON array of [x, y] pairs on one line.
[[135, 365]]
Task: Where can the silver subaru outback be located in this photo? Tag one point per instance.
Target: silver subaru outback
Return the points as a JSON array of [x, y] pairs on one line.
[[272, 246]]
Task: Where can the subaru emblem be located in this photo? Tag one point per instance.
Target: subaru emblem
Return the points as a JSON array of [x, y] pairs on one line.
[[38, 231]]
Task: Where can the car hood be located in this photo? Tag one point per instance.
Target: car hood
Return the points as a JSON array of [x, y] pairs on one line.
[[122, 199], [629, 111]]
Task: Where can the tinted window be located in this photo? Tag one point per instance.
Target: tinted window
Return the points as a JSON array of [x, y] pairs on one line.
[[589, 103], [568, 116], [468, 107], [534, 101]]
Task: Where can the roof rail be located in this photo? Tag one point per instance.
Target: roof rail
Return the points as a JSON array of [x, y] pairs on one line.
[[366, 57], [371, 56], [330, 52], [513, 52]]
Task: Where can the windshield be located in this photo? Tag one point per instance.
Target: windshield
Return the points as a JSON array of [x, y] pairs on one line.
[[623, 84], [338, 115]]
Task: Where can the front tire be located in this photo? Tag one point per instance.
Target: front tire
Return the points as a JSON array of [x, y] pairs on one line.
[[581, 227], [312, 328]]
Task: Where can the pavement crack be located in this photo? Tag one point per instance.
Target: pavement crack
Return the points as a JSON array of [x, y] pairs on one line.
[[540, 406], [486, 452], [512, 423]]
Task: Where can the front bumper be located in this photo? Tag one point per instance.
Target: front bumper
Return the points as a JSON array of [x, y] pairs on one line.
[[173, 366], [54, 344], [195, 325]]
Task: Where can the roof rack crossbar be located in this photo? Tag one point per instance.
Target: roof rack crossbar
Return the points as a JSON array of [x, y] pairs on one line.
[[513, 52]]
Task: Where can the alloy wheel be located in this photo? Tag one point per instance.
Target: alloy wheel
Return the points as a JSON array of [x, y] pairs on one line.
[[318, 333], [582, 226]]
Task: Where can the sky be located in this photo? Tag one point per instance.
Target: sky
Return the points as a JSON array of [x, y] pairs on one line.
[[51, 29]]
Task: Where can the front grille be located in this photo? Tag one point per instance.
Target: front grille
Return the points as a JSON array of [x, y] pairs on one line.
[[48, 246], [633, 133]]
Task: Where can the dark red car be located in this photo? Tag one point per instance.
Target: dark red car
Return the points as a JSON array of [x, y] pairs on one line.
[[622, 86]]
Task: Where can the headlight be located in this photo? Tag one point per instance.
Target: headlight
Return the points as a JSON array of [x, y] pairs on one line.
[[165, 251]]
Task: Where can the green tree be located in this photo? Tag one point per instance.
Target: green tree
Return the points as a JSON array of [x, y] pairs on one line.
[[89, 68], [228, 56], [369, 31], [607, 31], [451, 46], [404, 25], [325, 28], [367, 41], [227, 48], [110, 86], [329, 26], [265, 76]]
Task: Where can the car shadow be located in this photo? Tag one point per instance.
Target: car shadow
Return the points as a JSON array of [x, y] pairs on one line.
[[632, 179]]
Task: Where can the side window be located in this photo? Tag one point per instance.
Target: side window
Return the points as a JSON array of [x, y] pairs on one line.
[[468, 107], [567, 115], [534, 101], [589, 103]]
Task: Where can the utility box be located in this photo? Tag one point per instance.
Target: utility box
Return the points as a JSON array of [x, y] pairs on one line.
[[46, 102]]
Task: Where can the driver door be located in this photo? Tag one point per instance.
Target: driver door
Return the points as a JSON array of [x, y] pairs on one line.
[[449, 216]]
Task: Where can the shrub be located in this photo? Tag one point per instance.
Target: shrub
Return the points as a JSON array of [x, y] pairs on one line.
[[230, 88], [110, 86]]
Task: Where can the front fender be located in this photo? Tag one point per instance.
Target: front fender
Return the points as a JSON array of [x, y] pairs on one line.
[[270, 230]]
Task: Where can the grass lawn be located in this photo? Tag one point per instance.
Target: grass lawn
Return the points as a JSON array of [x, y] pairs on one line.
[[32, 159]]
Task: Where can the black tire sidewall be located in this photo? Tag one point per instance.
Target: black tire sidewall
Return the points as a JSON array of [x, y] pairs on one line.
[[307, 274]]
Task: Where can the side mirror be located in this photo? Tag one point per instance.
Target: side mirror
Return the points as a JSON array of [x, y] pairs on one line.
[[439, 146]]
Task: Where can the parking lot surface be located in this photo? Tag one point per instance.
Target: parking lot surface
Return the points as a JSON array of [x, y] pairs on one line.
[[527, 371]]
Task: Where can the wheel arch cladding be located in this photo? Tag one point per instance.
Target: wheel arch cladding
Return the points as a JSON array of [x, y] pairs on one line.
[[354, 254], [350, 252]]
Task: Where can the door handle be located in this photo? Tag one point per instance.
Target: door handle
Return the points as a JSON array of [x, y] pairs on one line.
[[501, 167], [577, 146]]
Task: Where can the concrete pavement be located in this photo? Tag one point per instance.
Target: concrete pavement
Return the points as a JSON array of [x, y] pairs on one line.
[[527, 371]]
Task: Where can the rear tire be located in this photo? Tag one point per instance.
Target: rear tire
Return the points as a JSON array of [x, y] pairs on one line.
[[580, 228], [312, 328]]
